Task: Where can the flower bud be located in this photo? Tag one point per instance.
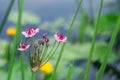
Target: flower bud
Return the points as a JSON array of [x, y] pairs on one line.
[[44, 35], [36, 45], [46, 39], [41, 42]]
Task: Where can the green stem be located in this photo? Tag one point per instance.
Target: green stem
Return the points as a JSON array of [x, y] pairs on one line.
[[6, 15], [50, 55], [50, 52], [93, 43], [22, 66], [33, 75], [20, 8], [16, 39], [68, 33], [108, 51], [70, 71]]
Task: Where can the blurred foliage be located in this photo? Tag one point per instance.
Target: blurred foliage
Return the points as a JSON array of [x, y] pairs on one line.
[[108, 22], [3, 44], [27, 18]]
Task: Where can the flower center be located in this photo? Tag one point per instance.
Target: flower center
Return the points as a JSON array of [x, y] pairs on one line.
[[23, 46], [61, 36], [30, 30]]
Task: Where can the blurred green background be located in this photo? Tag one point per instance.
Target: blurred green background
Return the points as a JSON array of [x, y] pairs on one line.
[[56, 15]]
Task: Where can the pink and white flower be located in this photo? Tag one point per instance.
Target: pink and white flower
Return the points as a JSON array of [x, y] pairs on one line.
[[30, 32], [60, 37], [23, 47]]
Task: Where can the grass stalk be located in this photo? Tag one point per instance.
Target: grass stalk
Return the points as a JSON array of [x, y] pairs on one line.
[[33, 75], [63, 46], [6, 15], [22, 67], [20, 8], [108, 51], [93, 43], [16, 39], [70, 71]]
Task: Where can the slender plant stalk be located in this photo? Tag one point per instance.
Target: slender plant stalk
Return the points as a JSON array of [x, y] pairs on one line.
[[7, 52], [33, 75], [16, 39], [108, 51], [50, 55], [70, 71], [82, 27], [22, 67], [6, 15], [93, 43], [63, 46], [20, 8]]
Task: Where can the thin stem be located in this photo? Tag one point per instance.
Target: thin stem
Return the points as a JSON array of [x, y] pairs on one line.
[[43, 52], [68, 33], [93, 43], [22, 67], [6, 15], [50, 55], [50, 52], [16, 39], [108, 51], [33, 75], [20, 8], [70, 71]]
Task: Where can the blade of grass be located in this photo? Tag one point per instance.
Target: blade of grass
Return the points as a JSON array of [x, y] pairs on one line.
[[70, 71], [16, 39], [33, 76], [6, 15], [20, 8], [108, 51], [82, 27], [63, 46], [22, 67], [93, 43], [7, 52]]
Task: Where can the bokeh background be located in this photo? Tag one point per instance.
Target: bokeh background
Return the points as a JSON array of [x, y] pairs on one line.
[[56, 15]]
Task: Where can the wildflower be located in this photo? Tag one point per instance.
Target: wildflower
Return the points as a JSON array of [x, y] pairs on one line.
[[11, 31], [47, 68], [30, 32], [60, 37], [23, 47], [39, 55]]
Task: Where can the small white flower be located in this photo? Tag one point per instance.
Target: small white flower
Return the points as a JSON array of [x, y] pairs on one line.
[[30, 32], [60, 37], [23, 47]]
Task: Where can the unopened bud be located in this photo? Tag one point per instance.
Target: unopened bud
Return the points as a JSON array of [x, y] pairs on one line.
[[35, 45], [44, 35], [41, 42], [46, 39]]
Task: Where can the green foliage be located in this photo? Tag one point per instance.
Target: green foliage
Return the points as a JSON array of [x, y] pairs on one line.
[[108, 22], [27, 18]]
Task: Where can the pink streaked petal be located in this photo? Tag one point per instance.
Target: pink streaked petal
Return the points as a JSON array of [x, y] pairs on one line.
[[27, 46], [37, 30], [21, 49], [24, 33], [64, 40]]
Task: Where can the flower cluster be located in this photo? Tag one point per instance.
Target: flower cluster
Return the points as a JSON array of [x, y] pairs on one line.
[[38, 52]]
